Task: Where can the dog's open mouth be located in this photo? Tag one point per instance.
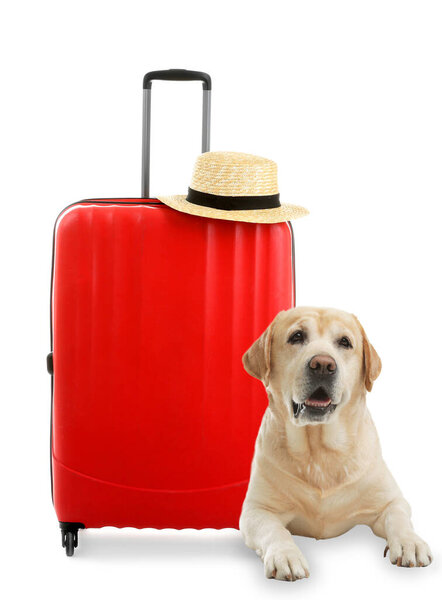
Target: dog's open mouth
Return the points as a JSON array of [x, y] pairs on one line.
[[319, 399], [319, 402]]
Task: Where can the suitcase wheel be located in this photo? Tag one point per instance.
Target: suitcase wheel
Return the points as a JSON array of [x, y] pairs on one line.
[[69, 541], [69, 536]]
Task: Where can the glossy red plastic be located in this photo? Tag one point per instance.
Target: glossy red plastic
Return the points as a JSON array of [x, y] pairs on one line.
[[154, 418]]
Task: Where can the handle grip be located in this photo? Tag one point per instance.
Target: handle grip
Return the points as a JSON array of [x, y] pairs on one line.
[[171, 75], [177, 75]]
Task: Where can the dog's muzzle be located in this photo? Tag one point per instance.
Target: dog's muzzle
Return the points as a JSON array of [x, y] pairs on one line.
[[320, 375]]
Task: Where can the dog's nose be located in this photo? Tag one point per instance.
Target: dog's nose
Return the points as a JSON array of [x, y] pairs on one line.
[[322, 364]]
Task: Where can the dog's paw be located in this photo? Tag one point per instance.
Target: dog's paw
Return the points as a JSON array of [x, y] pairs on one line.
[[285, 563], [408, 551]]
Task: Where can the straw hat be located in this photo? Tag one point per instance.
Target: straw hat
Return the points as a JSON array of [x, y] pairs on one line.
[[235, 187]]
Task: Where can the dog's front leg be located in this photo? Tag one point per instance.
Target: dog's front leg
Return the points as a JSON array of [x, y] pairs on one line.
[[264, 532], [406, 548]]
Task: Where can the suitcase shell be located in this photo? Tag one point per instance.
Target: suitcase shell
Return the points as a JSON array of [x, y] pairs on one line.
[[154, 419]]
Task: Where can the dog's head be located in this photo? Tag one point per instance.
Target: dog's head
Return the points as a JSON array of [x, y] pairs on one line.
[[313, 360]]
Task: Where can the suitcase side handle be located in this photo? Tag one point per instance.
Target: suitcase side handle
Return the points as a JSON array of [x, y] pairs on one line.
[[171, 75]]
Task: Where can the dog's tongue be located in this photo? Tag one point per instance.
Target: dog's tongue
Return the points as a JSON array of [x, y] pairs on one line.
[[319, 398], [319, 403]]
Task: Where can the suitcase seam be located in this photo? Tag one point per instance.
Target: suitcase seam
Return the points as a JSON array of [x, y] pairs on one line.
[[153, 490]]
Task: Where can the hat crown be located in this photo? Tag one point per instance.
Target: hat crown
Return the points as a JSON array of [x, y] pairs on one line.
[[235, 174]]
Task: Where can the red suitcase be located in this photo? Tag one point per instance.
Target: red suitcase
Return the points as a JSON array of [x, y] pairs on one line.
[[153, 417]]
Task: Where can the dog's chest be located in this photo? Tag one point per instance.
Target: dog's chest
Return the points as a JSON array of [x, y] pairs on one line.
[[324, 489], [321, 461], [324, 512], [326, 472]]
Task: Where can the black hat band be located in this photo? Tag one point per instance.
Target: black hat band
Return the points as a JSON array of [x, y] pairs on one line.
[[233, 202]]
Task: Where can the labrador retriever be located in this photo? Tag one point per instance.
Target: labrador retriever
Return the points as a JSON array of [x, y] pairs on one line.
[[318, 468]]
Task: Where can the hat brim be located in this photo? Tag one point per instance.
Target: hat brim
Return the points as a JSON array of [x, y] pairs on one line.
[[285, 212]]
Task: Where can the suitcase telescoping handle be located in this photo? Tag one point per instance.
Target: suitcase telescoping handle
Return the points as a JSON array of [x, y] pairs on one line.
[[171, 75]]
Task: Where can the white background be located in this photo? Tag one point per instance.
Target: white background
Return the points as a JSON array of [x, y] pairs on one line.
[[347, 98]]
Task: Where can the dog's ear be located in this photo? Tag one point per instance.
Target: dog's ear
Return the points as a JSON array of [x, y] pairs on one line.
[[257, 359], [372, 362]]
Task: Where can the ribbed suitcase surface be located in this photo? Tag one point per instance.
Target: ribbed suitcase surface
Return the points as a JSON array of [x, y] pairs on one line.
[[154, 418]]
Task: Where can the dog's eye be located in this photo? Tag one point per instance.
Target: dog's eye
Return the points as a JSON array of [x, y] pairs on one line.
[[345, 342], [296, 338]]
